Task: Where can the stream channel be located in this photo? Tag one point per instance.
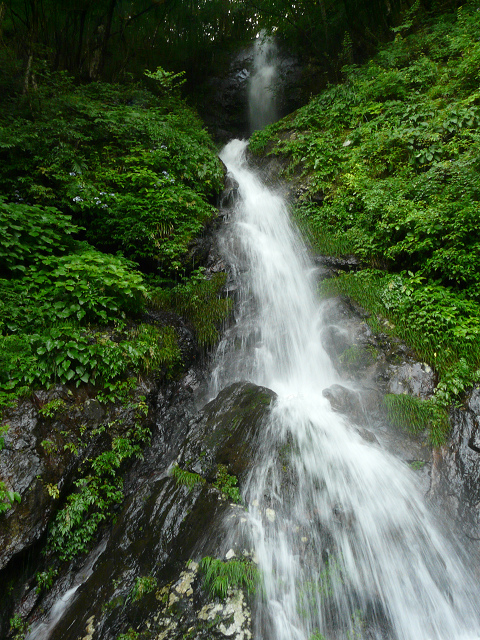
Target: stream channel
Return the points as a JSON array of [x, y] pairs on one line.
[[346, 545]]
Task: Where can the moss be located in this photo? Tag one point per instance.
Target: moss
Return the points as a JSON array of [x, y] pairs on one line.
[[357, 357]]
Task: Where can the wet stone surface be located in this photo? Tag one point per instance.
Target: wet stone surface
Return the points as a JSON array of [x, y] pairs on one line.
[[456, 468], [373, 365], [161, 525]]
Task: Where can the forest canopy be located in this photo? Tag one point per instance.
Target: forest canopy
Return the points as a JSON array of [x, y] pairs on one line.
[[114, 40]]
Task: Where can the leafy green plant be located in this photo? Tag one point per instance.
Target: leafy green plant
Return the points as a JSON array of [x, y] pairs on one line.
[[142, 586], [53, 490], [49, 447], [227, 484], [221, 576], [417, 465], [186, 478], [18, 627], [31, 233], [167, 80], [130, 635], [45, 579], [118, 391], [85, 286], [69, 354], [52, 409]]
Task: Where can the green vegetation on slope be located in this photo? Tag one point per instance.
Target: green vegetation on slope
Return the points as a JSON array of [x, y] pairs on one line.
[[391, 160], [103, 189]]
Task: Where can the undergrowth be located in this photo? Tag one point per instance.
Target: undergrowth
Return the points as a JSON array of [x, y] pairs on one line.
[[102, 190], [100, 486], [200, 301]]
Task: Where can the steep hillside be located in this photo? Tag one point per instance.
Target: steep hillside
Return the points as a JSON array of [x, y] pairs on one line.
[[389, 165]]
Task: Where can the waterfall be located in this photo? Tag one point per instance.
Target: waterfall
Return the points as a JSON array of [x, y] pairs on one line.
[[262, 97], [346, 545]]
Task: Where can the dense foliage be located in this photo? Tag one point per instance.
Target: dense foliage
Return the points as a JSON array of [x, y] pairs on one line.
[[102, 190], [391, 159], [117, 39]]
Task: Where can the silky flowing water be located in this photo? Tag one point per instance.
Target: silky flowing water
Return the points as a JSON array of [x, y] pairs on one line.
[[346, 546], [262, 99]]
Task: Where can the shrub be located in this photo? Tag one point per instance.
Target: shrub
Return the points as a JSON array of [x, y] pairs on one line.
[[199, 300], [67, 354]]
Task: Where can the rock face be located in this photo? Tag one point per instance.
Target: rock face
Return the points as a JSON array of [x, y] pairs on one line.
[[222, 100], [372, 365], [40, 459], [137, 575], [456, 468]]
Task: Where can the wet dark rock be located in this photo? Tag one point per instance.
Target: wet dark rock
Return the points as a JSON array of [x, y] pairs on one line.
[[345, 401], [414, 378], [336, 265], [27, 468], [455, 481], [367, 435], [335, 340], [161, 524], [222, 99], [229, 194], [227, 432], [93, 412]]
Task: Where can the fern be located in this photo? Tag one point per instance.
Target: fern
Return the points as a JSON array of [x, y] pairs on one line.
[[186, 478], [219, 576]]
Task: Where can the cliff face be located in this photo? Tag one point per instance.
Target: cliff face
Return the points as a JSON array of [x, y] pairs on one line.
[[175, 500]]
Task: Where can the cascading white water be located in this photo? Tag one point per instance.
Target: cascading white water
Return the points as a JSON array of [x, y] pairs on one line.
[[262, 97], [346, 546]]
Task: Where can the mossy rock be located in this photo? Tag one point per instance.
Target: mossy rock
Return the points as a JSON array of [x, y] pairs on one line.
[[161, 525], [227, 431], [357, 358]]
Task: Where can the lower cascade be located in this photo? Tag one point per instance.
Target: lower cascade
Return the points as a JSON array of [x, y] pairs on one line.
[[345, 543]]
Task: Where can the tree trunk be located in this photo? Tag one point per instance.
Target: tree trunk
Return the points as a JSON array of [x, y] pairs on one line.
[[106, 36]]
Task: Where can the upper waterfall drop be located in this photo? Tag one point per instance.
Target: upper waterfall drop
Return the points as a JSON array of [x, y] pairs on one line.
[[263, 84]]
